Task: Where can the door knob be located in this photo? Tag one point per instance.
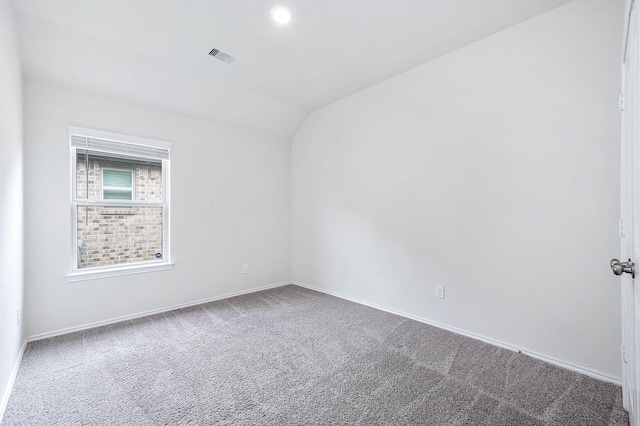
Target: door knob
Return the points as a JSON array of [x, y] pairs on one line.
[[619, 268]]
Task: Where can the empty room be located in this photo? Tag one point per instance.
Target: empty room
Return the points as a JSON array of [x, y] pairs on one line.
[[369, 212]]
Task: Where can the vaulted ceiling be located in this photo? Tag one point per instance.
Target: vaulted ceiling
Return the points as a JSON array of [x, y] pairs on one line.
[[156, 51]]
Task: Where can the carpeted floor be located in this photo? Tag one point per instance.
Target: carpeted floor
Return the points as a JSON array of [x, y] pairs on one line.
[[294, 356]]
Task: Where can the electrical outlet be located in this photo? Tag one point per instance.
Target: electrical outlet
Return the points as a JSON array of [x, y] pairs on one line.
[[245, 269], [440, 291], [18, 316]]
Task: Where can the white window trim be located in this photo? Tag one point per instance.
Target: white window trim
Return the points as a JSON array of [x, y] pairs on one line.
[[110, 136], [130, 268], [117, 271], [130, 189]]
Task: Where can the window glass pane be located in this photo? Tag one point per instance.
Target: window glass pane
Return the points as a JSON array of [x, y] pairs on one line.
[[145, 176], [111, 194], [117, 236], [117, 178]]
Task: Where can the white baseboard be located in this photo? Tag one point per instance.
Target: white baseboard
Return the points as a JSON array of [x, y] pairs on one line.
[[545, 358], [12, 378], [147, 313]]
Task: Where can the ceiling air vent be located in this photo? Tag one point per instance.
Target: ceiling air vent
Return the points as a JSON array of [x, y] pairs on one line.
[[223, 56]]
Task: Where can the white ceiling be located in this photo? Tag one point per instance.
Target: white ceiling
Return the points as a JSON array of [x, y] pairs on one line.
[[156, 51]]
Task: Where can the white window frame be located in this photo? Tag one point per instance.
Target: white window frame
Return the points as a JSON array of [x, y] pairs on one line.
[[130, 189], [128, 268]]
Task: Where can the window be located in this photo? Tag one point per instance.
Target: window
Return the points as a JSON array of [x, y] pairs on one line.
[[117, 184], [119, 204]]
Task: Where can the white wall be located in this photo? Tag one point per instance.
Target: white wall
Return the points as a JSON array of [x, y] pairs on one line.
[[11, 211], [492, 170], [230, 206]]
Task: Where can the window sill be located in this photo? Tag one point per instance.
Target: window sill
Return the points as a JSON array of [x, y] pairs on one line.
[[97, 273]]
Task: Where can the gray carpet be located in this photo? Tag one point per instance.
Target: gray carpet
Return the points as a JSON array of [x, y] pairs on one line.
[[294, 356]]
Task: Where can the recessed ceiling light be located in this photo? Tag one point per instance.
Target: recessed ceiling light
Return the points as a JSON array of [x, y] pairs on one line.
[[282, 15]]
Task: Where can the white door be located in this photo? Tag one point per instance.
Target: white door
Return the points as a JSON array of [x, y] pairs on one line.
[[630, 211]]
